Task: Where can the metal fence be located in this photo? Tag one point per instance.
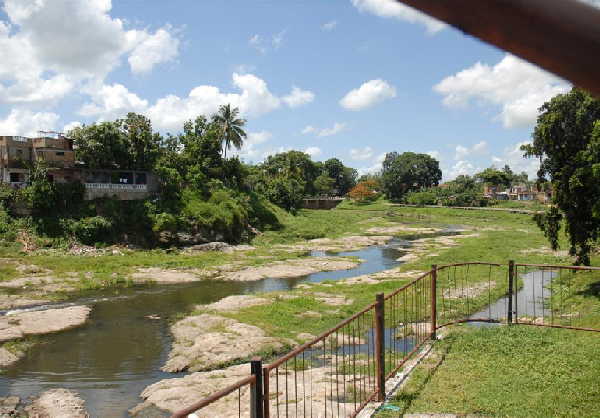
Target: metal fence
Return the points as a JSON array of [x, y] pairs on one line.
[[345, 368]]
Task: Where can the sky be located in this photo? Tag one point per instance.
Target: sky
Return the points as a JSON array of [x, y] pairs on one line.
[[351, 79]]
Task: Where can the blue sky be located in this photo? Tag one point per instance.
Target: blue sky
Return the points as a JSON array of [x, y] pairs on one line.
[[351, 79]]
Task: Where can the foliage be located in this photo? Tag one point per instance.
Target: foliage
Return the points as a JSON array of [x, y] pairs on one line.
[[89, 230], [495, 177], [567, 141], [125, 143], [407, 172], [421, 198], [286, 192], [324, 184], [230, 127], [344, 177]]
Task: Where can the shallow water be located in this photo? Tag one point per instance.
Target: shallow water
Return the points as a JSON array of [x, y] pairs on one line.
[[119, 352]]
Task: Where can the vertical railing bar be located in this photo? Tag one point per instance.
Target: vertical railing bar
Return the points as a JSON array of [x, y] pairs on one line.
[[337, 371], [433, 298], [511, 274], [296, 384], [379, 345]]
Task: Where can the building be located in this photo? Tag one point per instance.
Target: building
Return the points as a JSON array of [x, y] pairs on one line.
[[18, 153], [524, 192]]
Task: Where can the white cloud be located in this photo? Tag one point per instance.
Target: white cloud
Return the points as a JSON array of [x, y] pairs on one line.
[[49, 48], [254, 99], [375, 168], [298, 97], [308, 129], [462, 167], [396, 10], [257, 42], [71, 125], [277, 39], [361, 154], [313, 151], [595, 3], [518, 87], [111, 102], [329, 26], [154, 49], [368, 94], [249, 150], [480, 148], [513, 156], [262, 43], [434, 154], [337, 128], [27, 123]]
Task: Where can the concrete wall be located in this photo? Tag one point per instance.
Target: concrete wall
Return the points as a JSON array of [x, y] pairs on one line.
[[324, 204]]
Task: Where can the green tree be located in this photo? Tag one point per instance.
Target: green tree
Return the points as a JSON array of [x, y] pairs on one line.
[[495, 177], [324, 184], [407, 172], [231, 127], [142, 145], [344, 177], [566, 139], [100, 145]]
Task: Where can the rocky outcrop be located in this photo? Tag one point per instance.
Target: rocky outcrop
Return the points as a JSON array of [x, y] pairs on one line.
[[23, 324], [235, 302], [206, 341], [57, 403]]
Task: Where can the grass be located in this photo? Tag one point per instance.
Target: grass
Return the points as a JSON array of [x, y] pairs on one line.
[[519, 371], [507, 371]]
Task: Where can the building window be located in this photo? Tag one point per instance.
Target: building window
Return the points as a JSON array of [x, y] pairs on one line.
[[60, 153], [140, 178], [15, 177]]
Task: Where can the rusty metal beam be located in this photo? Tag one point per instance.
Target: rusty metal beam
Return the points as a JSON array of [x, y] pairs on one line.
[[561, 36]]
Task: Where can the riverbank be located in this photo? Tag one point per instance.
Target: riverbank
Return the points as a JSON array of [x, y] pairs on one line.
[[295, 309], [302, 313]]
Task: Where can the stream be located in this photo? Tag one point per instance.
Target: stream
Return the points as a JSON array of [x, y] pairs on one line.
[[119, 352]]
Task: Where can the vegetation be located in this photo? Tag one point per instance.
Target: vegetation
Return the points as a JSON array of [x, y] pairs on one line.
[[408, 172], [567, 141], [516, 371]]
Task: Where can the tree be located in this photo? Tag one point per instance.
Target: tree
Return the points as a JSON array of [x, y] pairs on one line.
[[231, 127], [142, 145], [364, 191], [566, 139], [495, 177], [344, 177], [407, 172], [324, 184]]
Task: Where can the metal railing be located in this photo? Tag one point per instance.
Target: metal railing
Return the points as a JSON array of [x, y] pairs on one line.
[[339, 372]]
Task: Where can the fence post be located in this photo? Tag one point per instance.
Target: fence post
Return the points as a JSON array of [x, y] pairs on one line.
[[256, 391], [511, 279], [266, 394], [433, 301], [380, 347]]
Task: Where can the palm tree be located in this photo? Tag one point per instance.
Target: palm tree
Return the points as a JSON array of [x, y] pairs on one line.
[[231, 127]]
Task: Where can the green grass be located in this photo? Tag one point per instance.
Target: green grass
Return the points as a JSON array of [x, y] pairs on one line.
[[520, 204], [514, 371]]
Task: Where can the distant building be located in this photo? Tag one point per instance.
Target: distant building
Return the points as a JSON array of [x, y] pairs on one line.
[[17, 153], [517, 192]]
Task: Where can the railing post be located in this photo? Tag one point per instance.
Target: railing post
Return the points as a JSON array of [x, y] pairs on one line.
[[256, 390], [266, 394], [511, 279], [433, 301], [380, 347]]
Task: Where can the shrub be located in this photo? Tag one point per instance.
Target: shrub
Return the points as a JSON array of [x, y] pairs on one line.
[[421, 198], [365, 191], [90, 230]]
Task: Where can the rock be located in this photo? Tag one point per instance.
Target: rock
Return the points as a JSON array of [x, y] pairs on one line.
[[236, 302], [174, 394], [211, 246], [8, 358], [333, 300], [57, 403], [291, 268], [9, 406], [22, 324], [159, 275], [207, 341], [15, 301]]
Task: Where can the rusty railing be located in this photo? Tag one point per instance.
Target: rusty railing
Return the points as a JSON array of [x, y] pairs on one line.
[[342, 370]]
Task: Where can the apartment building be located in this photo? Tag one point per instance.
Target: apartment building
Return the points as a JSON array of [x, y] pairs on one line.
[[18, 153]]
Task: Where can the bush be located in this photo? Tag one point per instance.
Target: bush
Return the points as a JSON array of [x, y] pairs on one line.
[[90, 230], [421, 198], [365, 191]]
